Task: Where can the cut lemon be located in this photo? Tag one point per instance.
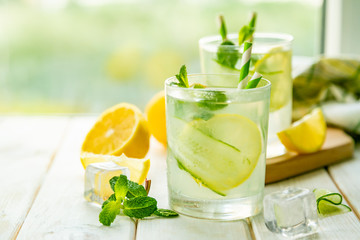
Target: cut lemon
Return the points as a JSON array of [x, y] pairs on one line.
[[221, 153], [306, 135], [138, 168], [120, 129], [155, 113]]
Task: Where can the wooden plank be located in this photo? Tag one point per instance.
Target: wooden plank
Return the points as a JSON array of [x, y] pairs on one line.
[[181, 227], [26, 148], [338, 146], [345, 226], [347, 178], [60, 210]]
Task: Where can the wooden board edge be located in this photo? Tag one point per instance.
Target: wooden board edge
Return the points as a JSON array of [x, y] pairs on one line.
[[299, 164]]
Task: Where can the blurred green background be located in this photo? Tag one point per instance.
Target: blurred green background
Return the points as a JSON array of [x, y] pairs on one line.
[[82, 56]]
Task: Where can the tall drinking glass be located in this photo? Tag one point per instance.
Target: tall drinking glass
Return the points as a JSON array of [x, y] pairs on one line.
[[216, 146], [271, 56]]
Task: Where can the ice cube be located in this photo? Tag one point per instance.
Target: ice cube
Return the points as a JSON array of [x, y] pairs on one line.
[[291, 212], [97, 176]]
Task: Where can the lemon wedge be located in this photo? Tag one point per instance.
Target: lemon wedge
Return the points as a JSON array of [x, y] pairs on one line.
[[306, 135], [138, 168], [120, 129]]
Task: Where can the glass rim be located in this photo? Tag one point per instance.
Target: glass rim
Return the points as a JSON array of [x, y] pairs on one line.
[[169, 80], [283, 38]]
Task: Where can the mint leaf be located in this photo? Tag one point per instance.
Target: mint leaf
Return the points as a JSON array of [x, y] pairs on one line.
[[121, 187], [245, 34], [226, 55], [223, 31], [165, 213], [111, 198], [112, 182], [182, 77], [140, 207], [135, 190], [212, 99], [247, 31], [109, 212]]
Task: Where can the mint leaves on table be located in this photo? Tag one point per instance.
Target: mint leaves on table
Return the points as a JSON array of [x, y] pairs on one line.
[[132, 199], [226, 56], [165, 213]]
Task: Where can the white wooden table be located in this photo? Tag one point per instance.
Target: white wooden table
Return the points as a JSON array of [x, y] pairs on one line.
[[42, 181]]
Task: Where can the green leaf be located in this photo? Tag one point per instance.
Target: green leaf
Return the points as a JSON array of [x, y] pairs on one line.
[[245, 34], [182, 77], [252, 22], [135, 190], [121, 187], [111, 198], [140, 207], [223, 31], [227, 55], [211, 100], [109, 212], [247, 31], [165, 213], [112, 182]]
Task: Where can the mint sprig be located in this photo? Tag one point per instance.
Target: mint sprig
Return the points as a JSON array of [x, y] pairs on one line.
[[226, 56], [131, 198], [247, 31], [210, 99], [182, 77]]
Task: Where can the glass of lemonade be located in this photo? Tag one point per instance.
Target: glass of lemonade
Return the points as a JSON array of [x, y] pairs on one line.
[[216, 146], [271, 57]]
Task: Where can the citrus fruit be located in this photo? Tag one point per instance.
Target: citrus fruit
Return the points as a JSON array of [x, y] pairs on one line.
[[155, 113], [138, 168], [276, 67], [306, 135], [216, 153], [120, 129]]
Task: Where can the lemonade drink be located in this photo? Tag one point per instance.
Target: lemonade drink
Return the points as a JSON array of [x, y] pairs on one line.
[[216, 140], [271, 56]]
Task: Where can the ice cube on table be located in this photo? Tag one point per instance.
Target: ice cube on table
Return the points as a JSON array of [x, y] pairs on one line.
[[97, 176], [291, 212]]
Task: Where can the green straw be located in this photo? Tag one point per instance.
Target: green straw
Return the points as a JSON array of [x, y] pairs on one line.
[[254, 81], [245, 65]]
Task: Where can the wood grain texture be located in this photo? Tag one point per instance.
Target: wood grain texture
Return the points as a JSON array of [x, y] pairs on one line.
[[181, 227], [347, 177], [345, 226], [338, 146], [60, 210], [27, 145]]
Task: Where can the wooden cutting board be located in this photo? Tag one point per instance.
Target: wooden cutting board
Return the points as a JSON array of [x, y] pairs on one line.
[[338, 146]]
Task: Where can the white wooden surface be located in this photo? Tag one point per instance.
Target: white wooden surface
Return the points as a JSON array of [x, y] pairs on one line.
[[60, 211], [41, 191], [26, 149]]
